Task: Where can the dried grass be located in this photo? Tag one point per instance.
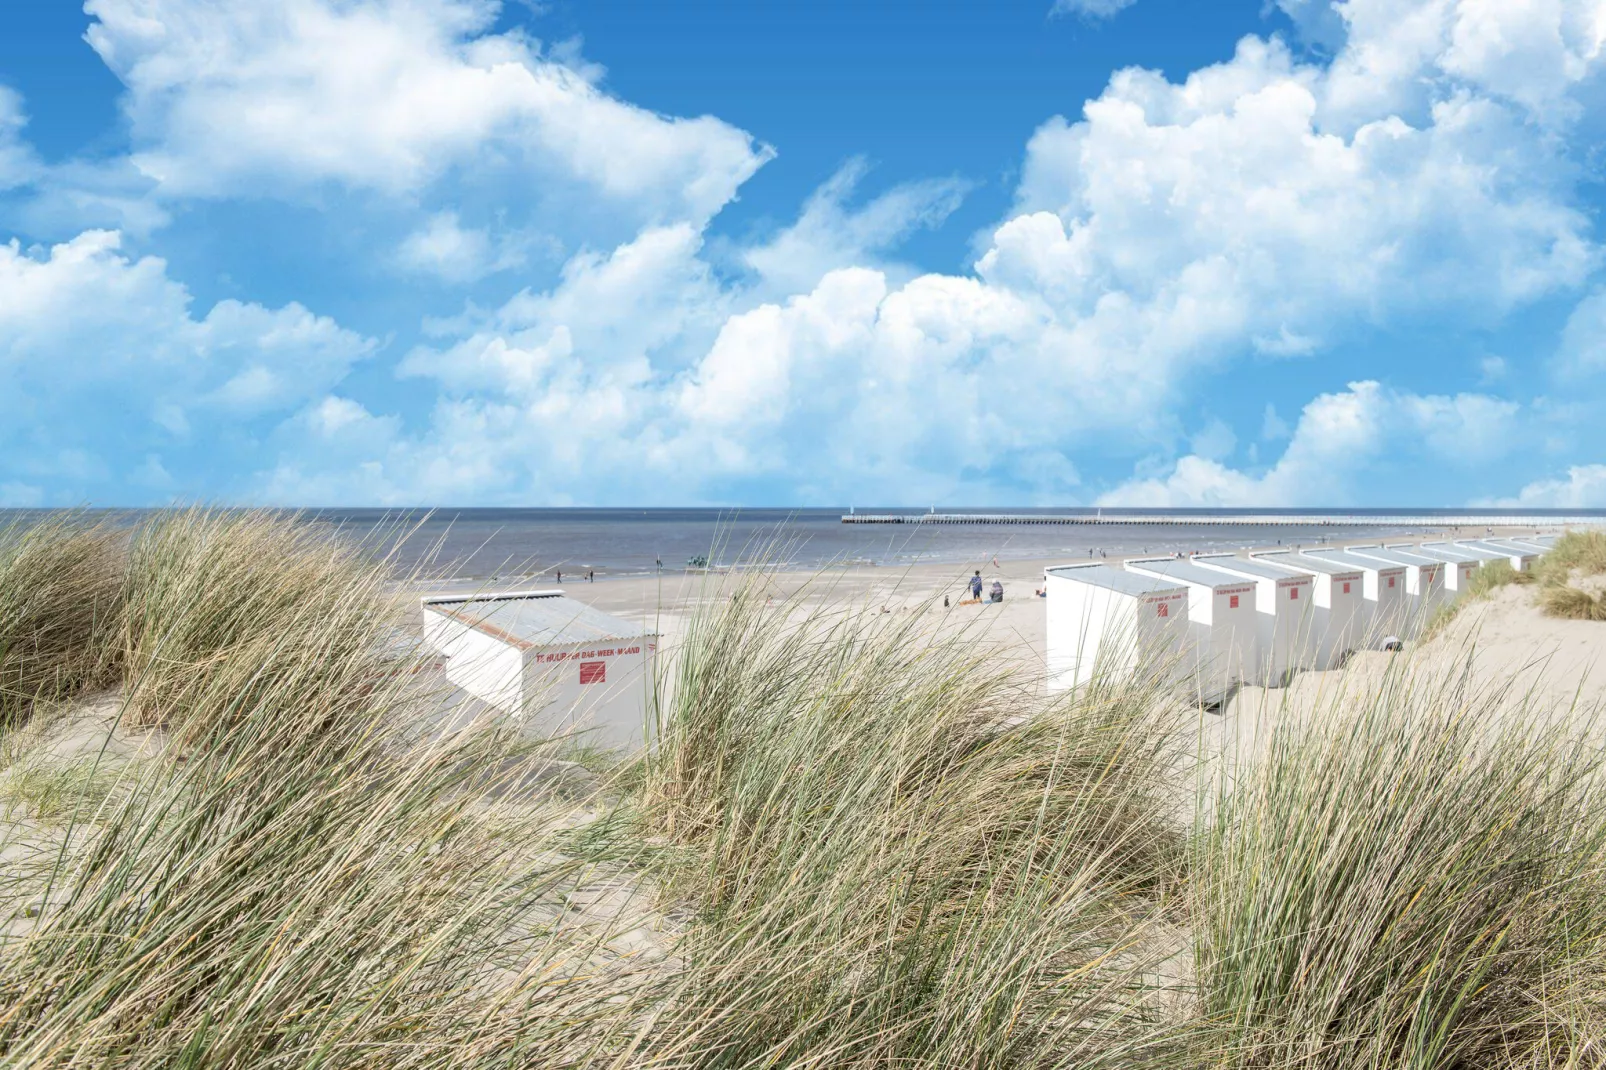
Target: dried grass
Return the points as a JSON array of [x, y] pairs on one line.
[[60, 605]]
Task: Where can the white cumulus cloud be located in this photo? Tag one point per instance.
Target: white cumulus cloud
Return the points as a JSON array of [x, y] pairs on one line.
[[1350, 447], [829, 234], [1262, 209], [445, 249], [1261, 206], [18, 163], [1091, 9], [1584, 488], [232, 96], [99, 351]]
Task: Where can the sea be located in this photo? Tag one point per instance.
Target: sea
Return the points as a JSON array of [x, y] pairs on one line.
[[513, 543], [508, 544]]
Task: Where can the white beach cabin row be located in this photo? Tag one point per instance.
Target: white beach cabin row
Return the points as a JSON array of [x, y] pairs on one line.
[[1284, 616], [1215, 621], [1339, 615], [1222, 644]]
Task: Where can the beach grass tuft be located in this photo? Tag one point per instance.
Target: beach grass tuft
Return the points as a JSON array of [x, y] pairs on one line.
[[207, 590], [60, 606], [49, 793], [1414, 880], [905, 857], [300, 878], [1572, 603], [1490, 577], [1577, 555], [1583, 550]]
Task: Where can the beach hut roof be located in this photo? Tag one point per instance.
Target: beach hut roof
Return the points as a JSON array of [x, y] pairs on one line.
[[1479, 551], [1439, 551], [1344, 557], [1301, 561], [1113, 579], [1249, 566], [1397, 557], [536, 618], [1513, 546], [1187, 572]]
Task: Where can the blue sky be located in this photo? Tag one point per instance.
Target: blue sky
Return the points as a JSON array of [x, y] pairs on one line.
[[1138, 252]]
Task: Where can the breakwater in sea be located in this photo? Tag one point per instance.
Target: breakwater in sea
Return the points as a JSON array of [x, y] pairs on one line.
[[1245, 520]]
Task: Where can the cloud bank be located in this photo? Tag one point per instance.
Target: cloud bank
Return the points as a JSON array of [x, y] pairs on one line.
[[1168, 237]]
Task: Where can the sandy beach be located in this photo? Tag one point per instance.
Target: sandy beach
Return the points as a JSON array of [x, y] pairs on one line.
[[1508, 636]]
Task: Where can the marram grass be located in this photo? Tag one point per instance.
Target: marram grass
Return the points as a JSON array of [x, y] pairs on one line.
[[60, 603], [1578, 552], [906, 857], [1414, 880], [303, 883], [1572, 603], [871, 848]]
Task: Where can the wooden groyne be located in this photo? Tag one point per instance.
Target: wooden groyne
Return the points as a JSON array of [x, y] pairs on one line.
[[1313, 520]]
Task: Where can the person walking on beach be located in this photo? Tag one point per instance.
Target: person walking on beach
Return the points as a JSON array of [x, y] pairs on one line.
[[975, 586]]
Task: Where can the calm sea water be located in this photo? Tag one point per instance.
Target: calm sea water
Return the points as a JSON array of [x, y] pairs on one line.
[[511, 543], [525, 543]]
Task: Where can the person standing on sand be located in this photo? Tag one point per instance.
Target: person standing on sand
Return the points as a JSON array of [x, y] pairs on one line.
[[975, 585]]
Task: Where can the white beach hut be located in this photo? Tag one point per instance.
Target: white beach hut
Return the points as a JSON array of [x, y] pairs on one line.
[[1384, 591], [1459, 565], [1286, 620], [1105, 622], [1521, 557], [553, 662], [1223, 631], [1424, 582], [1341, 612]]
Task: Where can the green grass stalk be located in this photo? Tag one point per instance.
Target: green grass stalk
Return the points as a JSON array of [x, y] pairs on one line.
[[1403, 882]]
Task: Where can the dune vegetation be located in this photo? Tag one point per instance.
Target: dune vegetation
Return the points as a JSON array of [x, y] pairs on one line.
[[61, 588], [1562, 579], [852, 845], [1567, 573]]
